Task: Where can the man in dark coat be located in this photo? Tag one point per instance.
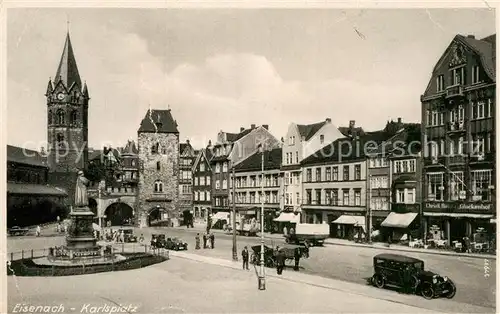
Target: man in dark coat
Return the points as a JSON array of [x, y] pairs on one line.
[[280, 261], [205, 240], [297, 259], [197, 238], [212, 240], [244, 255]]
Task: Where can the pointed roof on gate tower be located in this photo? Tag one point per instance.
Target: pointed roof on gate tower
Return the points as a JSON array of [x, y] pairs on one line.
[[67, 70]]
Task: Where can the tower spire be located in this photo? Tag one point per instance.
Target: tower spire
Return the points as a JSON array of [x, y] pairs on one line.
[[67, 72]]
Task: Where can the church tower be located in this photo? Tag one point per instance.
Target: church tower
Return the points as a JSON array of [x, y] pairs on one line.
[[67, 116]]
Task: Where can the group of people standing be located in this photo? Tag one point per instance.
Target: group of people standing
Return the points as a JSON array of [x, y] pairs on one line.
[[207, 239]]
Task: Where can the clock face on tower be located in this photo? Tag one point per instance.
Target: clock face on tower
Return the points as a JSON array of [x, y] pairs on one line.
[[60, 96]]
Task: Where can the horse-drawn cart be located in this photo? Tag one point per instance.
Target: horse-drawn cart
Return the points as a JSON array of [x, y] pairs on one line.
[[288, 250]]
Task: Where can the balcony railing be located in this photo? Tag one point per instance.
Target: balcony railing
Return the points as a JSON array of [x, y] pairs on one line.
[[454, 91], [457, 160]]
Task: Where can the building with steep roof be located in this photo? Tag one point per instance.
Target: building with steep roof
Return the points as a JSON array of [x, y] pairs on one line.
[[202, 185], [187, 157], [302, 141], [459, 136], [158, 187], [229, 150]]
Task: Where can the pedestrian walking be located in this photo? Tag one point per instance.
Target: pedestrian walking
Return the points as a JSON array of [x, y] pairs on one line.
[[197, 238], [141, 238], [212, 240], [297, 259], [205, 239], [38, 230], [280, 261], [244, 255]]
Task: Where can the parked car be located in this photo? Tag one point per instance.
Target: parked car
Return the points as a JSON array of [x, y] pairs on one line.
[[18, 231], [128, 235], [158, 241], [175, 244], [409, 273]]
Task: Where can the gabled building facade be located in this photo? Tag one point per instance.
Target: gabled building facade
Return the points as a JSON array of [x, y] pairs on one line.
[[459, 136], [187, 156], [300, 142], [202, 185], [229, 150], [158, 141]]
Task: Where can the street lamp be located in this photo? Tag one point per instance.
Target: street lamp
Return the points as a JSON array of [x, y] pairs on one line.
[[262, 278], [235, 252]]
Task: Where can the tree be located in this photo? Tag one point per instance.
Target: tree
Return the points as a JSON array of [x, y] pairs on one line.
[[95, 171]]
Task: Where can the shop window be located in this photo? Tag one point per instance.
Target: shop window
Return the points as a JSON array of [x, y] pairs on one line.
[[482, 185]]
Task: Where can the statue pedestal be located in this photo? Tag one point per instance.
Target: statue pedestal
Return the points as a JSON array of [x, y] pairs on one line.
[[81, 232]]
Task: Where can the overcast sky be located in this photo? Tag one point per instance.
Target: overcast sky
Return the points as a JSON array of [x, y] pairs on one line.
[[223, 69]]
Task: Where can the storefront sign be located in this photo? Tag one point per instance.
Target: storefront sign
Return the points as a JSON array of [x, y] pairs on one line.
[[458, 207]]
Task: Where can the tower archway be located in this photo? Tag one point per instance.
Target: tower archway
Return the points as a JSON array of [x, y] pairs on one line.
[[119, 214]]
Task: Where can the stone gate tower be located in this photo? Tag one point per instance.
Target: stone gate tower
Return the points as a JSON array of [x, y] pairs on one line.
[[158, 188]]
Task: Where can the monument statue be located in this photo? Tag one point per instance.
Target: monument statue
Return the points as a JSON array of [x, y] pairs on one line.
[[81, 196]]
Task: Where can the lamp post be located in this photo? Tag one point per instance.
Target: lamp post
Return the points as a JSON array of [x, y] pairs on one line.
[[262, 278], [369, 229], [235, 252]]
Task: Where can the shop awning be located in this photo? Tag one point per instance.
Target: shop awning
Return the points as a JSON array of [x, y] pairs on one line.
[[288, 217], [459, 215], [357, 221], [220, 216], [397, 220]]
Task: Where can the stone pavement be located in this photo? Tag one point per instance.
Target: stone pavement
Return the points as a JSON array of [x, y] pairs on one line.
[[375, 245], [352, 290]]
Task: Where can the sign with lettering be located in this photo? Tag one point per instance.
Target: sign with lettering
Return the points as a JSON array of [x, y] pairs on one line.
[[458, 207]]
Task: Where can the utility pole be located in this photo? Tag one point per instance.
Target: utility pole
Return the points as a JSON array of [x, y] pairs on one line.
[[235, 250], [262, 276]]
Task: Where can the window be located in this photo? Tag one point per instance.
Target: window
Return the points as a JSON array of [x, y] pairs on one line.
[[435, 186], [202, 180], [379, 203], [158, 165], [357, 198], [217, 184], [208, 195], [335, 173], [321, 139], [60, 116], [328, 197], [196, 182], [357, 172], [475, 74], [345, 173], [154, 148], [224, 184], [335, 197], [287, 198], [133, 163], [60, 140], [318, 197], [318, 174], [297, 157], [440, 83], [202, 196], [458, 76], [74, 117], [379, 182], [328, 174], [224, 166], [457, 187], [196, 195], [480, 109], [478, 147], [208, 180], [400, 195], [489, 109], [481, 185], [202, 167], [309, 175], [158, 186], [217, 167], [345, 199], [308, 197], [412, 165]]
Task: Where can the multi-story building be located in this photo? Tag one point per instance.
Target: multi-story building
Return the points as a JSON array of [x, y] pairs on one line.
[[335, 185], [130, 165], [302, 141], [202, 185], [187, 156], [458, 133], [228, 151], [249, 186], [30, 200], [158, 188]]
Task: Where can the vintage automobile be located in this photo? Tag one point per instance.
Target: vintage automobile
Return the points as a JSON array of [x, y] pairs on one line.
[[158, 240], [175, 244], [407, 272], [128, 235], [18, 231]]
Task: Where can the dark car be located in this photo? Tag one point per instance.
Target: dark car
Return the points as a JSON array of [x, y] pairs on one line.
[[128, 235], [158, 241], [18, 231], [175, 244], [409, 273]]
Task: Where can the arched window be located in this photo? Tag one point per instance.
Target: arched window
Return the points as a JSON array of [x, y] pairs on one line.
[[50, 117], [60, 140], [154, 148], [60, 116], [158, 166], [158, 188], [74, 116]]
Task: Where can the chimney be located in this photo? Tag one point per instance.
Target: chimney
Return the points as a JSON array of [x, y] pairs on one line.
[[252, 126], [242, 129], [471, 36], [209, 143], [187, 142], [328, 120], [352, 124], [266, 126], [399, 120]]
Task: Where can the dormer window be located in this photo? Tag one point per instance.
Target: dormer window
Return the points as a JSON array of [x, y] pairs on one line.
[[475, 74], [321, 139], [440, 83]]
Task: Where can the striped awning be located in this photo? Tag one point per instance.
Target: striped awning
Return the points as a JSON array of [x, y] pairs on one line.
[[357, 221], [397, 220]]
